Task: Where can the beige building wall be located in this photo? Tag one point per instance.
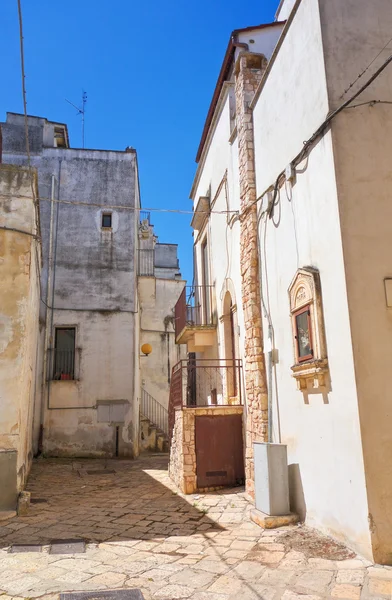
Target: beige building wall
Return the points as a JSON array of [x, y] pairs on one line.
[[157, 299], [20, 266], [355, 33]]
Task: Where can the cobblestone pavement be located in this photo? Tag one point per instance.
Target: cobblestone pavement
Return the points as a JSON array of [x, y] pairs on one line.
[[142, 534]]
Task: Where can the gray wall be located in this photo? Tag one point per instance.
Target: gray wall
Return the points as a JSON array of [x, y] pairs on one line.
[[94, 272]]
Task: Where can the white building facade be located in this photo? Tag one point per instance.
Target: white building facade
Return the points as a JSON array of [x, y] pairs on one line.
[[300, 268]]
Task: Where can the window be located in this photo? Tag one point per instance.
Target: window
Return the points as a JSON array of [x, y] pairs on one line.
[[64, 353], [309, 342], [303, 334], [106, 220]]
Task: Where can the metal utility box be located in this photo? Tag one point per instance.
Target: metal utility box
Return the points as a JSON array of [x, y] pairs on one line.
[[271, 479], [8, 489]]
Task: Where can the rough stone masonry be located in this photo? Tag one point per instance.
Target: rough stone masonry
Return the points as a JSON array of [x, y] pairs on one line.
[[248, 73]]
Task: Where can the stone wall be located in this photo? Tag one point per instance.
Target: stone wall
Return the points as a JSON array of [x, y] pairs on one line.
[[182, 466], [249, 70]]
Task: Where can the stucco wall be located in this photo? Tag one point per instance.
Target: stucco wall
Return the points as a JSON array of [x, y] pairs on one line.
[[321, 430], [104, 370], [354, 33], [94, 281], [19, 305], [157, 300]]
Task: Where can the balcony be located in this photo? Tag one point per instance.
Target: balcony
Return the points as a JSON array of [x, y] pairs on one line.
[[206, 382], [195, 317]]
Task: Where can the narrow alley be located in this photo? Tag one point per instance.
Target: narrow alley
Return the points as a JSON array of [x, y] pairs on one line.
[[135, 531]]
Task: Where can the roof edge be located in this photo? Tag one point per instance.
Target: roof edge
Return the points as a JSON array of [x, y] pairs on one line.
[[221, 78]]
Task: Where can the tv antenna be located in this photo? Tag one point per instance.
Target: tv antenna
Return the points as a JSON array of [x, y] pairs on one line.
[[81, 111]]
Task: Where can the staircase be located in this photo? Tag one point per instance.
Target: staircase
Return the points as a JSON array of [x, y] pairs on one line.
[[153, 425]]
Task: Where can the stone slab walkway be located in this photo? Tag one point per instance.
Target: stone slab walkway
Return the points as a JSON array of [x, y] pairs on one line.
[[142, 534]]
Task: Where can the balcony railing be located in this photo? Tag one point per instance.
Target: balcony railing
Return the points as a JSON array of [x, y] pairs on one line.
[[195, 307], [61, 364], [146, 258], [145, 215], [204, 382], [154, 411]]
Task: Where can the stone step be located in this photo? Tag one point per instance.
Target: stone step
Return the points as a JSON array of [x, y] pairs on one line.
[[152, 437]]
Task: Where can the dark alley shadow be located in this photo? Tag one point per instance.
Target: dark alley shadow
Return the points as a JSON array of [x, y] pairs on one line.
[[100, 500]]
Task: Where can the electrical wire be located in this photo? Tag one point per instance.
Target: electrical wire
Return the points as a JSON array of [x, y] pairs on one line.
[[33, 235], [370, 103], [364, 71], [129, 208], [319, 133]]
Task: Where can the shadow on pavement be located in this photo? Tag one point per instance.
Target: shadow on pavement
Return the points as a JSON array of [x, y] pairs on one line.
[[104, 500]]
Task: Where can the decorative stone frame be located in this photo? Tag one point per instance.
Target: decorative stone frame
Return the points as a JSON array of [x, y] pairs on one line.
[[305, 290]]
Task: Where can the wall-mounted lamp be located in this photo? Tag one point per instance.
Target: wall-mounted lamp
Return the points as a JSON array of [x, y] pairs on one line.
[[146, 349]]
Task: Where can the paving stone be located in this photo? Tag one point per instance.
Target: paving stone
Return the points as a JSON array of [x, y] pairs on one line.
[[313, 581], [267, 557], [353, 576], [107, 579], [157, 541], [350, 563], [172, 592], [209, 596], [380, 587], [240, 545], [191, 549], [249, 569], [289, 595], [351, 592], [380, 572], [254, 591], [322, 563], [225, 584], [192, 578], [212, 566], [277, 577]]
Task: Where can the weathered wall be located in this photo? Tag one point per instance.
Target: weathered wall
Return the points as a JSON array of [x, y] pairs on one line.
[[321, 429], [354, 34], [157, 300], [100, 376], [20, 263], [94, 280]]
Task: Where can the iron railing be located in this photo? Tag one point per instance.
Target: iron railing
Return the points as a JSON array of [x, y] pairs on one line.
[[146, 258], [195, 307], [154, 411], [204, 382], [61, 364], [145, 215]]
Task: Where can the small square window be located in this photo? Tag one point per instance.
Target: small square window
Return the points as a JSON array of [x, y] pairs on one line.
[[106, 220]]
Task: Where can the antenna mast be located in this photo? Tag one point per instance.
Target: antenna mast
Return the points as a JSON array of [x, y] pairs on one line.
[[80, 111]]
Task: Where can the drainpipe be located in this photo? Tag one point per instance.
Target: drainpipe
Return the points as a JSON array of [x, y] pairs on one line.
[[47, 323]]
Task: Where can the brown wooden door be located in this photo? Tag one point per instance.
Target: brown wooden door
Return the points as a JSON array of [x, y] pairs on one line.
[[219, 450]]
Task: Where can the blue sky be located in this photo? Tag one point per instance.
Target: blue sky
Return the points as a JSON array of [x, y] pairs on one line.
[[149, 69]]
